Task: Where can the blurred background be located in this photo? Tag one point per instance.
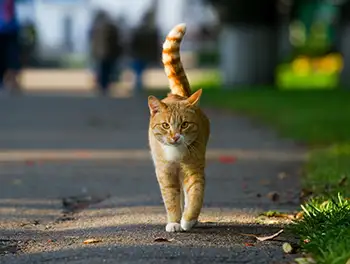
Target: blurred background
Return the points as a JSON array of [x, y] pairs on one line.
[[289, 44], [74, 80]]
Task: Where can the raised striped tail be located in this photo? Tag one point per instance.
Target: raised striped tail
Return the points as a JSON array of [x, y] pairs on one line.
[[178, 81]]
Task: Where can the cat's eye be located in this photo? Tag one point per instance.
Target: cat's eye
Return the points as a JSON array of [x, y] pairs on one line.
[[165, 125], [184, 125]]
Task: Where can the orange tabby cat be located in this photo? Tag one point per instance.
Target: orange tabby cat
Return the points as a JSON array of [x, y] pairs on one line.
[[178, 136]]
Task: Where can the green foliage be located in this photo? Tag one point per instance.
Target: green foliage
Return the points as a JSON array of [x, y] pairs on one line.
[[325, 229]]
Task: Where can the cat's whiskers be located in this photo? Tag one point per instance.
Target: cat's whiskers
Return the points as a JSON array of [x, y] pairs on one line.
[[192, 150]]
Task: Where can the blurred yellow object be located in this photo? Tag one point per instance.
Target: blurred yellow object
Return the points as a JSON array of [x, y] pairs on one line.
[[331, 63], [337, 61], [301, 65]]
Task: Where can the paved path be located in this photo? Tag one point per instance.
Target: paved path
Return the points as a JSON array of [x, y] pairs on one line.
[[126, 211]]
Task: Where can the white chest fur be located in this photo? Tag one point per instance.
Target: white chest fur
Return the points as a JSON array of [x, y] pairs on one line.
[[173, 153]]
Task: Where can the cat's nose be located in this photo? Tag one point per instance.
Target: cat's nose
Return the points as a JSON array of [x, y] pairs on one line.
[[176, 137]]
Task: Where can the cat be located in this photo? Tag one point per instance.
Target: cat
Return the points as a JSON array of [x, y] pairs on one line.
[[178, 137]]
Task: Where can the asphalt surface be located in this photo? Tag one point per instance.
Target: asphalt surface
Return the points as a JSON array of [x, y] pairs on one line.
[[117, 202]]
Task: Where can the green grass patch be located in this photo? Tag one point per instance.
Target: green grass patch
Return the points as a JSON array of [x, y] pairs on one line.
[[328, 171], [326, 223], [312, 117], [325, 229], [211, 80]]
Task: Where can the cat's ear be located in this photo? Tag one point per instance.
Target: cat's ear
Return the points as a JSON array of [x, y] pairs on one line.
[[154, 104], [194, 98]]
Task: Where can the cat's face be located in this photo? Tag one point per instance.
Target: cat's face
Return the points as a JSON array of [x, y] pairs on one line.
[[175, 123]]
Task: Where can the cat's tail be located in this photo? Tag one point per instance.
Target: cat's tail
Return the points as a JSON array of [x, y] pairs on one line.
[[179, 84]]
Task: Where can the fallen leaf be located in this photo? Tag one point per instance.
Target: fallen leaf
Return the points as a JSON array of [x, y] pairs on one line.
[[304, 260], [277, 214], [348, 262], [288, 248], [273, 196], [227, 159], [269, 237], [162, 239], [266, 220], [299, 215], [249, 244], [306, 240], [92, 241], [265, 237], [35, 222]]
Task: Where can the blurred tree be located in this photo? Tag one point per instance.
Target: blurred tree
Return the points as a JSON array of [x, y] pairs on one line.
[[239, 11], [248, 41]]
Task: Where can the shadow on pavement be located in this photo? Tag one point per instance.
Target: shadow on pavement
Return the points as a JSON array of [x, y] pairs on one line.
[[207, 243]]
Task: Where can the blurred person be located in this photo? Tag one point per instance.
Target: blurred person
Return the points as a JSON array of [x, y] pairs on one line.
[[9, 45], [144, 48], [105, 49]]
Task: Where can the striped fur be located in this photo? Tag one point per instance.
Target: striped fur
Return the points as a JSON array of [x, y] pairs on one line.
[[174, 70], [178, 136]]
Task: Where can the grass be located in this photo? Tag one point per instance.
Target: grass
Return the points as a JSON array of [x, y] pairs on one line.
[[328, 171], [326, 222], [312, 117], [316, 118], [325, 229]]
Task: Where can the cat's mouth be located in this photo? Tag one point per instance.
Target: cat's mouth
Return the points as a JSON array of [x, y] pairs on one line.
[[174, 143]]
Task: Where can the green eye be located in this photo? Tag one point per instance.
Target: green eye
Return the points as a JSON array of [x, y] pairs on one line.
[[184, 125], [165, 125]]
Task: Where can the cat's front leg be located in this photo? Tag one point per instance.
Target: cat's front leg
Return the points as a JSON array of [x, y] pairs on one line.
[[194, 184], [169, 184]]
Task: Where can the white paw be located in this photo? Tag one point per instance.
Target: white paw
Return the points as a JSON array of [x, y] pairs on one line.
[[173, 227], [187, 225]]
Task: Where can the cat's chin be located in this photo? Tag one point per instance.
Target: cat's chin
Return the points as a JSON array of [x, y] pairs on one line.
[[177, 144]]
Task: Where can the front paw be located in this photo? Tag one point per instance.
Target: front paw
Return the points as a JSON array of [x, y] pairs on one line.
[[173, 227], [187, 225]]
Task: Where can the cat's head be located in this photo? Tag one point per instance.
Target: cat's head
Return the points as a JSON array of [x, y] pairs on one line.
[[175, 122]]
